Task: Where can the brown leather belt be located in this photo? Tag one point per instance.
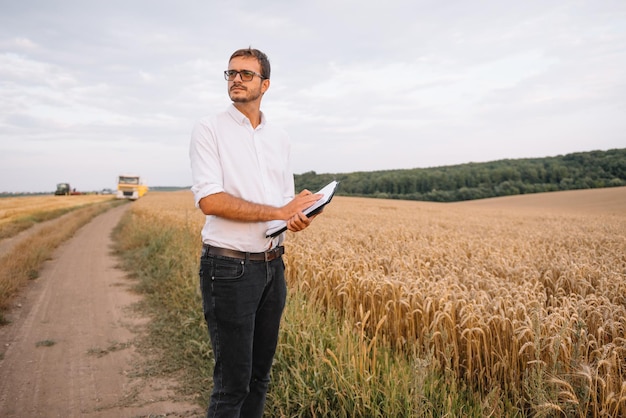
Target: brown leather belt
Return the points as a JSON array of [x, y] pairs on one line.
[[240, 255]]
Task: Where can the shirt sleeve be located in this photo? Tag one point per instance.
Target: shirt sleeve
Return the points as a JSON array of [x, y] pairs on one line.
[[206, 169]]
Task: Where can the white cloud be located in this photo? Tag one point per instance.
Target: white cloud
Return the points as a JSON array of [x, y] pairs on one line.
[[24, 43]]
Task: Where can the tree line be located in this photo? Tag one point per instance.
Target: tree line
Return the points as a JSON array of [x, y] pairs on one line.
[[581, 170]]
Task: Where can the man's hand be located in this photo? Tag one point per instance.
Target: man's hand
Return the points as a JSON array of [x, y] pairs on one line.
[[299, 220], [303, 200]]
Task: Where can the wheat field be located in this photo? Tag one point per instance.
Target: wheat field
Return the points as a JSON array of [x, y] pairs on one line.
[[524, 297], [12, 208]]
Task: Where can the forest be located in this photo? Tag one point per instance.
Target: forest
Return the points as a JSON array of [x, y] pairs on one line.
[[581, 170]]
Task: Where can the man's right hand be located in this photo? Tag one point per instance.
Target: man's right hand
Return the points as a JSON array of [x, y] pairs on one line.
[[303, 200]]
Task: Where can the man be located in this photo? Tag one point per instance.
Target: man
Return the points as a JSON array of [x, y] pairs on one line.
[[242, 179]]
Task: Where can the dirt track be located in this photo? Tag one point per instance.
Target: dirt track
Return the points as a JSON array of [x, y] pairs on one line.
[[69, 349]]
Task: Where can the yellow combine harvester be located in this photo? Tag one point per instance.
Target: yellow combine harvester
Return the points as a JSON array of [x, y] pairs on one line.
[[130, 187]]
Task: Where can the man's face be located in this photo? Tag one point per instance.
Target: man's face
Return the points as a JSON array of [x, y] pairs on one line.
[[246, 91]]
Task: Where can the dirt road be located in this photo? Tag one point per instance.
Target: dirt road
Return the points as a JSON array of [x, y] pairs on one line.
[[69, 349]]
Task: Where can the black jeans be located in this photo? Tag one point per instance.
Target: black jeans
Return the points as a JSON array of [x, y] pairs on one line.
[[243, 302]]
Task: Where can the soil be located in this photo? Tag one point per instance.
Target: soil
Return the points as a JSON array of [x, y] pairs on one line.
[[70, 348]]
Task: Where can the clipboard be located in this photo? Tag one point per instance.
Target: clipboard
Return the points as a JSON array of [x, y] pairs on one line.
[[278, 227]]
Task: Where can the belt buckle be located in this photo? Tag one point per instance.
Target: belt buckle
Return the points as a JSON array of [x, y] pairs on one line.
[[272, 254]]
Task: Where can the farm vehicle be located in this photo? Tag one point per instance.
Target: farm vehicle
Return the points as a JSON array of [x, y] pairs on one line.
[[130, 187], [64, 189]]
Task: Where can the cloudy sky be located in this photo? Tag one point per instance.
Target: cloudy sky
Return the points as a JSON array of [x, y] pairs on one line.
[[92, 89]]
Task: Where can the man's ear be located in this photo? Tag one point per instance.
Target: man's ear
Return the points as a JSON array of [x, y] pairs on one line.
[[265, 85]]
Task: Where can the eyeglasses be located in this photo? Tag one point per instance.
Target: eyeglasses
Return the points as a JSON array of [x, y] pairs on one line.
[[246, 75]]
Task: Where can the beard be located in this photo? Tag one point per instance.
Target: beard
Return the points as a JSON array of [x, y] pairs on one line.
[[242, 94]]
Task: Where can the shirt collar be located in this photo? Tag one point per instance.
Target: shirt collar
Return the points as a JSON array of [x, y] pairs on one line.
[[242, 119]]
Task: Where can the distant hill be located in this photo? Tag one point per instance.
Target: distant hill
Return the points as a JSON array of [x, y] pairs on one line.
[[576, 171]]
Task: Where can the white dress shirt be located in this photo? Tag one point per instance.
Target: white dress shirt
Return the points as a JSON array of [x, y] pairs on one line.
[[228, 155]]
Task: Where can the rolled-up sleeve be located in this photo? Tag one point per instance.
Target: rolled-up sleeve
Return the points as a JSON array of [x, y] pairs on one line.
[[206, 169]]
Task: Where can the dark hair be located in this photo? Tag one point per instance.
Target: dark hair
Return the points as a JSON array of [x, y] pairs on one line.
[[260, 57]]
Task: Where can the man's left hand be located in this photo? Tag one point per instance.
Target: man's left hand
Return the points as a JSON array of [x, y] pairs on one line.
[[299, 221]]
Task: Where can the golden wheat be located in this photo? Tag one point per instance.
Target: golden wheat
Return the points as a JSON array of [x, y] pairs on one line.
[[503, 294], [12, 208]]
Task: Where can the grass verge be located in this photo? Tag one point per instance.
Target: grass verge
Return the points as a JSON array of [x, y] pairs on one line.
[[15, 227], [162, 260]]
